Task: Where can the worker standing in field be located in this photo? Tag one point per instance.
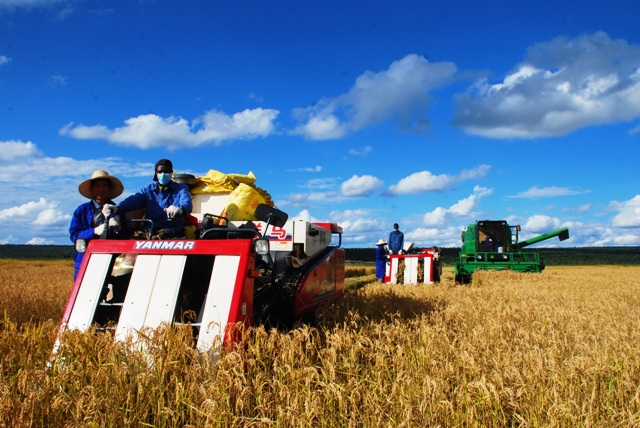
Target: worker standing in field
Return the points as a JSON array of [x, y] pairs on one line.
[[88, 221], [166, 203], [381, 260], [396, 240]]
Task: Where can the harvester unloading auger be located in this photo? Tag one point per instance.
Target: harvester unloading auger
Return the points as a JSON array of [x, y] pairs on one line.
[[494, 245], [269, 270]]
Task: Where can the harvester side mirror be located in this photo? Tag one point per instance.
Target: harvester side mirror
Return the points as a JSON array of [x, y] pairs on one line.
[[271, 215], [518, 228]]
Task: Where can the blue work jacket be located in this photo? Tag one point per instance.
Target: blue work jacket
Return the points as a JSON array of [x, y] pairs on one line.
[[396, 241], [82, 227], [154, 199]]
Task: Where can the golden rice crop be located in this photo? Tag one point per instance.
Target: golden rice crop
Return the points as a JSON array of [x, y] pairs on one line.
[[560, 348]]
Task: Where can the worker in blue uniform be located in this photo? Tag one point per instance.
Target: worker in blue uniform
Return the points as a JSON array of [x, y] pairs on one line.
[[88, 221], [166, 203], [396, 240]]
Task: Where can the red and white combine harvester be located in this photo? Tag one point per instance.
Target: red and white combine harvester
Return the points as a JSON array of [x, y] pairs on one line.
[[270, 271], [414, 267]]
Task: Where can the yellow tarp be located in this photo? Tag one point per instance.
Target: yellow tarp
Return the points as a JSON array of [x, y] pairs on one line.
[[244, 195], [219, 182]]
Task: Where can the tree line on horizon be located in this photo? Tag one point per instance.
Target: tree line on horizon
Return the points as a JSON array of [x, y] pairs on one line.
[[573, 256]]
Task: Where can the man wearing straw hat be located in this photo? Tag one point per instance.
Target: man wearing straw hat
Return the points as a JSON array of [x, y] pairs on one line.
[[88, 222], [381, 260]]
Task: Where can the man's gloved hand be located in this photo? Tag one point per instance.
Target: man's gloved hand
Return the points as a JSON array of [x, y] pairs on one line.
[[173, 211], [108, 209], [99, 230], [114, 224]]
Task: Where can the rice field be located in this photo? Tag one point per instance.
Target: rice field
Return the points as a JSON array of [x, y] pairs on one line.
[[556, 349]]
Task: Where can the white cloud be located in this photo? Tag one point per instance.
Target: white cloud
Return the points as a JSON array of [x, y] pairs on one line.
[[41, 217], [31, 166], [365, 150], [359, 186], [316, 168], [629, 215], [51, 216], [4, 59], [400, 93], [436, 217], [308, 199], [361, 227], [304, 215], [541, 224], [547, 192], [150, 130], [595, 235], [425, 181], [39, 241], [8, 240], [357, 221], [321, 183], [322, 127], [579, 209], [10, 150], [563, 85], [448, 237], [461, 209]]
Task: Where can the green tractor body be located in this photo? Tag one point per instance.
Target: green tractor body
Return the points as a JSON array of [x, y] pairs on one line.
[[494, 245]]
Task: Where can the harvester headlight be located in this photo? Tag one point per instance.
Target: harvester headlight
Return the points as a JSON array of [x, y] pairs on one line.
[[261, 246], [81, 245]]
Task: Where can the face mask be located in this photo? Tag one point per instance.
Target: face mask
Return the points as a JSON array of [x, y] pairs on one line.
[[163, 178]]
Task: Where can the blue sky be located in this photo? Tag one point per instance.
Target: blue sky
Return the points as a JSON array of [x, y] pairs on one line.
[[365, 113]]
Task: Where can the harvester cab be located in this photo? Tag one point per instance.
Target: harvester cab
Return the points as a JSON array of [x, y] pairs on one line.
[[269, 270], [495, 245]]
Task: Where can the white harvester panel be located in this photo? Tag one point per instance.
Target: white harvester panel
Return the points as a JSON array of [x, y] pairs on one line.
[[218, 303], [152, 294], [313, 237], [412, 265], [88, 295], [165, 291], [208, 203]]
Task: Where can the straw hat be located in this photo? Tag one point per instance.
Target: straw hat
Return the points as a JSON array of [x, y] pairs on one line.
[[116, 186], [381, 242]]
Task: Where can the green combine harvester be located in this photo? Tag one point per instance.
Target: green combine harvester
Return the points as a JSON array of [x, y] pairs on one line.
[[494, 245]]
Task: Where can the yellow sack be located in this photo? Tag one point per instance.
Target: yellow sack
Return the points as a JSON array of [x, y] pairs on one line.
[[219, 182], [242, 204]]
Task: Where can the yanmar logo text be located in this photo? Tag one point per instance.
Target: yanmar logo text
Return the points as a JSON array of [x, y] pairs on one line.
[[165, 245]]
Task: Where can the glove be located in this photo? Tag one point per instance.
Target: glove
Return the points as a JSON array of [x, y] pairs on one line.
[[108, 209], [99, 230], [114, 224], [173, 211]]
